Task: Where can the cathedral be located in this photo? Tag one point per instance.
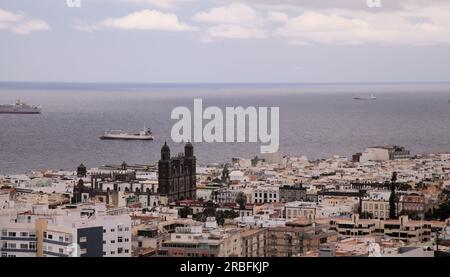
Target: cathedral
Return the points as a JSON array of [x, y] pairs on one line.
[[177, 175]]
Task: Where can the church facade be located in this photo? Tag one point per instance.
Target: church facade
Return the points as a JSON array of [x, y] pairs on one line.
[[177, 175]]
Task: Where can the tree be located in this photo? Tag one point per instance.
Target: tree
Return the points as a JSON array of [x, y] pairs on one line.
[[366, 215], [241, 199], [411, 214], [441, 213], [222, 215], [184, 212], [404, 186], [393, 198]]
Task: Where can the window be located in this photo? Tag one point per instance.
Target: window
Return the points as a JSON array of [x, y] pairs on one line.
[[104, 242], [50, 236], [104, 230], [113, 241], [32, 234], [119, 250], [112, 230], [61, 238], [83, 251], [83, 239], [23, 234], [126, 239], [4, 255], [126, 250], [4, 233], [23, 246], [119, 239], [11, 234], [11, 245], [113, 253], [127, 229], [32, 245], [61, 251]]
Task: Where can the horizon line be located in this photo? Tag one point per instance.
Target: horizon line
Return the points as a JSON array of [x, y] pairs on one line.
[[225, 83]]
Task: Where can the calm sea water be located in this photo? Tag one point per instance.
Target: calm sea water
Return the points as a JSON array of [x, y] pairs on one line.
[[315, 120]]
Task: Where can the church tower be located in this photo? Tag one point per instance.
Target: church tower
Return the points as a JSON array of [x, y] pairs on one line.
[[164, 171]]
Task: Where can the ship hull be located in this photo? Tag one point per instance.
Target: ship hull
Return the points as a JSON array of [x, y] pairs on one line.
[[11, 112], [125, 138]]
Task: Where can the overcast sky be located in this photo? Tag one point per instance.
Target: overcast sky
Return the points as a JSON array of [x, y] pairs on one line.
[[225, 41]]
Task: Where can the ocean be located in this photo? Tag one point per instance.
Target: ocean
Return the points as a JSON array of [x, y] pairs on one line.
[[316, 120]]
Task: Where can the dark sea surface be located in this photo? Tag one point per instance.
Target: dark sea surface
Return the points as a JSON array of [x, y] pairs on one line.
[[315, 120]]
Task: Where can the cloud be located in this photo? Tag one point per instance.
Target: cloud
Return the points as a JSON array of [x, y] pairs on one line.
[[235, 32], [411, 26], [163, 4], [141, 20], [235, 13], [410, 23], [277, 16], [21, 23], [234, 21], [386, 5]]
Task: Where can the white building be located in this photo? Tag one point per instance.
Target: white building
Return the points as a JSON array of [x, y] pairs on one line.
[[374, 154], [83, 230], [266, 194]]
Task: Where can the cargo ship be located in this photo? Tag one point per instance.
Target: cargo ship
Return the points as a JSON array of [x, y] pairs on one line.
[[20, 108], [371, 97], [145, 134]]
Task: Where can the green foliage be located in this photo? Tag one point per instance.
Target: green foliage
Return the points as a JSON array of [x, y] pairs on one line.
[[184, 212], [241, 199], [441, 213], [411, 214], [366, 215]]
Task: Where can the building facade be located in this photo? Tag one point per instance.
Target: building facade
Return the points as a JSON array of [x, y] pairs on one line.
[[292, 193], [177, 175]]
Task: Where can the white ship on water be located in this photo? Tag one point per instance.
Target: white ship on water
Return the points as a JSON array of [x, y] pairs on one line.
[[371, 97], [20, 108], [145, 134]]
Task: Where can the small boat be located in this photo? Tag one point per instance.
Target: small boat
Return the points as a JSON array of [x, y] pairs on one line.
[[145, 134], [371, 97]]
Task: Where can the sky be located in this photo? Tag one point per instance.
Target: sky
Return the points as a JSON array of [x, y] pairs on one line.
[[225, 41]]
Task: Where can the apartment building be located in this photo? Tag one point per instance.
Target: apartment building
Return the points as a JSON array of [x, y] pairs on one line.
[[297, 238], [299, 209], [202, 241], [376, 203], [254, 242], [402, 229], [75, 230]]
